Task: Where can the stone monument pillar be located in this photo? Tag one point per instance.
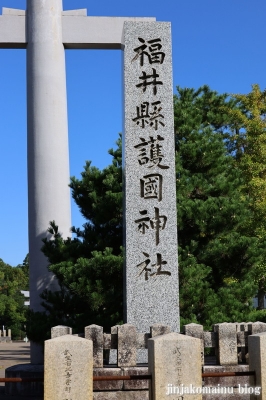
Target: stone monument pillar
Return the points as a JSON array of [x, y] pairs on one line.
[[48, 159], [68, 368], [150, 227], [175, 366], [257, 363]]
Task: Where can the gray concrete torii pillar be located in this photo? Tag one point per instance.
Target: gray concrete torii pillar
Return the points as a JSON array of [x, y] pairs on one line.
[[45, 30]]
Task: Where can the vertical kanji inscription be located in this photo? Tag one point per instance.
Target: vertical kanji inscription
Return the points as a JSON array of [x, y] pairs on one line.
[[150, 230]]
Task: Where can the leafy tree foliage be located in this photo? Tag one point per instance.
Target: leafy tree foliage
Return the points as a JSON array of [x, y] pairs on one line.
[[89, 267], [12, 310], [217, 252], [248, 141]]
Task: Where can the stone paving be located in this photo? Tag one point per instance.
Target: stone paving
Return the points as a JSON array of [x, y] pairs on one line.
[[12, 354]]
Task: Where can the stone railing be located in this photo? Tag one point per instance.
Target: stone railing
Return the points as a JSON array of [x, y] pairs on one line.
[[230, 340], [74, 365], [121, 346]]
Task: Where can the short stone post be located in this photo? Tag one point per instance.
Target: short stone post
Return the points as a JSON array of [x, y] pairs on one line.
[[95, 333], [4, 333], [9, 333], [60, 330], [227, 343], [175, 366], [159, 329], [127, 345], [68, 368], [257, 363], [242, 342], [256, 327], [112, 356], [196, 331]]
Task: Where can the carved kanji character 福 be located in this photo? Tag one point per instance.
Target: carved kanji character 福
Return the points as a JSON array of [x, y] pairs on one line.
[[150, 50]]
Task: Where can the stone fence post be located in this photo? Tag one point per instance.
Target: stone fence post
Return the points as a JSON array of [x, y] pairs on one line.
[[126, 345], [257, 363], [227, 343], [60, 330], [95, 333], [196, 331], [68, 368], [256, 327], [175, 366]]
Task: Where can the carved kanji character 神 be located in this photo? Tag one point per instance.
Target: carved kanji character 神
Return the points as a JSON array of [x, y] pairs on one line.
[[157, 223], [150, 50], [142, 222]]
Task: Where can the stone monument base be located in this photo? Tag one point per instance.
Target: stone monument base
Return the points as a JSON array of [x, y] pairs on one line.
[[106, 390], [6, 339], [25, 389], [228, 381], [126, 395], [122, 390]]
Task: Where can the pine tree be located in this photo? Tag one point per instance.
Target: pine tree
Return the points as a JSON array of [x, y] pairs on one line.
[[216, 252], [89, 267], [248, 141], [212, 213]]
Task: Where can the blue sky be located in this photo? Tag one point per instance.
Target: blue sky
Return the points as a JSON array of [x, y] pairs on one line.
[[216, 42]]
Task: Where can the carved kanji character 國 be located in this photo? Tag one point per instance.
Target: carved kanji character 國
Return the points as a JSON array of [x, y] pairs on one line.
[[151, 186]]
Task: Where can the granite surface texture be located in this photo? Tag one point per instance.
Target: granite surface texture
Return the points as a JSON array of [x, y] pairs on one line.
[[60, 330], [227, 337], [257, 363], [150, 233], [174, 361], [129, 395], [68, 368], [95, 333]]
